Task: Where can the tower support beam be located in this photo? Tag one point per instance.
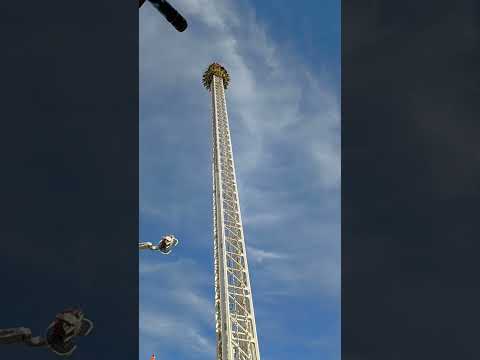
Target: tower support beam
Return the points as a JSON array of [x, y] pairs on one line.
[[235, 318]]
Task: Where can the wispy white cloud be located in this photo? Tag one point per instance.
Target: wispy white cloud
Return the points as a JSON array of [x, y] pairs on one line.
[[273, 101], [285, 124], [170, 331], [176, 314], [277, 107], [184, 273], [201, 305], [258, 255], [285, 120]]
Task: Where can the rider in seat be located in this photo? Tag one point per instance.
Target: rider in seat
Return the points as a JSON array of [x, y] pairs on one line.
[[165, 246], [167, 243]]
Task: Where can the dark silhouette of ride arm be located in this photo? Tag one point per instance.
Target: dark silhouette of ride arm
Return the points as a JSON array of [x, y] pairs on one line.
[[59, 336], [169, 12]]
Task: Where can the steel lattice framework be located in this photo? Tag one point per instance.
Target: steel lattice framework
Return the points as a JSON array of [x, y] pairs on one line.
[[235, 319]]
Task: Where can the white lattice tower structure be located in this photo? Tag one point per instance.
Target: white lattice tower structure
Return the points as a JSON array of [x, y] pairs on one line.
[[235, 319]]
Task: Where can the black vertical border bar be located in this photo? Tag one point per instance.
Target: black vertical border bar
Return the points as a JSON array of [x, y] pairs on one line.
[[410, 179], [69, 178]]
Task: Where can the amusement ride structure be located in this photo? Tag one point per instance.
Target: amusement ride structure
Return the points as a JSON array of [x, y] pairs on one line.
[[235, 319]]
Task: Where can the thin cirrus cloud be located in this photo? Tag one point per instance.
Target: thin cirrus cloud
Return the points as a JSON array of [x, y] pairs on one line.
[[285, 122], [260, 256], [165, 330], [176, 312]]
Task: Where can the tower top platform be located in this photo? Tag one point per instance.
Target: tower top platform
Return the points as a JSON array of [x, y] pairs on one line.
[[218, 70]]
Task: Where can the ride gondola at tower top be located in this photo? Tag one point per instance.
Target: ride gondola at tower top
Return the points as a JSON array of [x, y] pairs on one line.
[[218, 70]]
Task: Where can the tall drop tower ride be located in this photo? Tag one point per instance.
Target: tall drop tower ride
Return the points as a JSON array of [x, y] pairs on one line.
[[235, 319]]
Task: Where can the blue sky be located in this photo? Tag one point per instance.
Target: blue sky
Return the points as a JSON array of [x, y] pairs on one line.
[[284, 110]]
